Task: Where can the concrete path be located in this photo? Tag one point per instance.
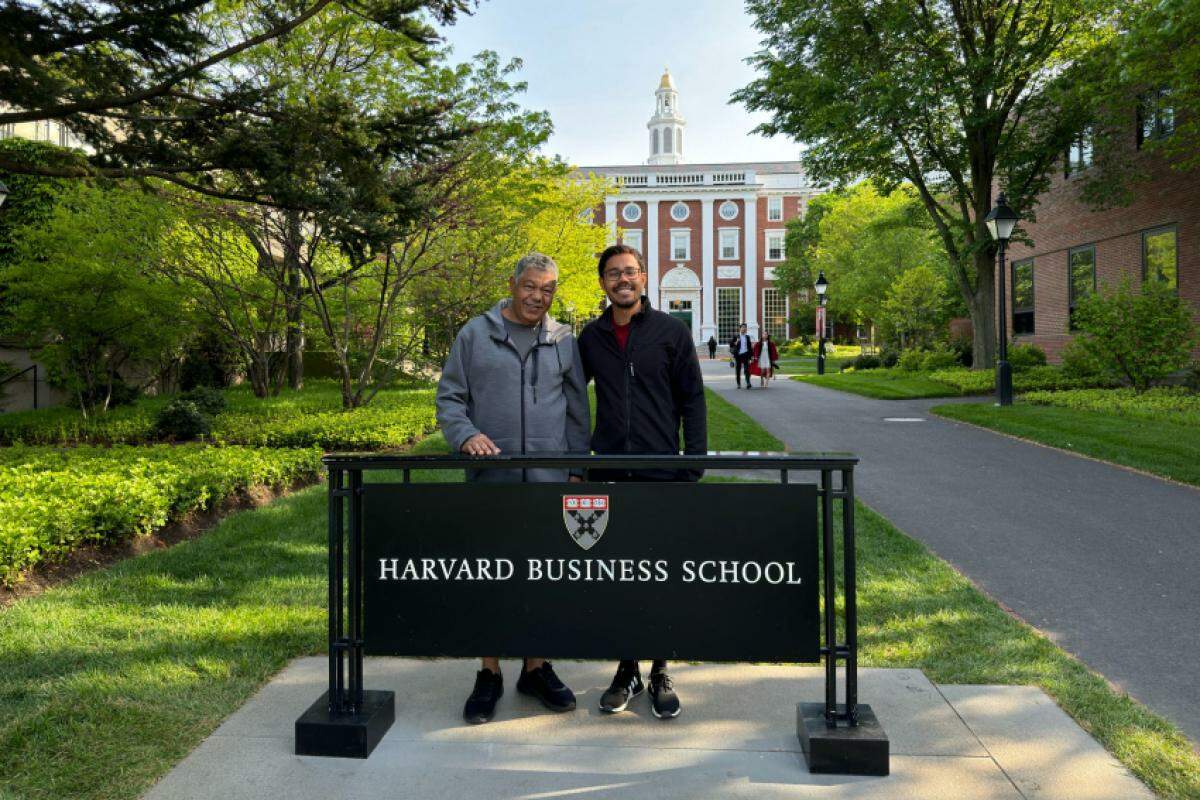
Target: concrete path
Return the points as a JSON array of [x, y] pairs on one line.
[[1102, 559], [735, 738]]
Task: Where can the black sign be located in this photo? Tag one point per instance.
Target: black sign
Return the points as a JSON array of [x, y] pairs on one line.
[[714, 572]]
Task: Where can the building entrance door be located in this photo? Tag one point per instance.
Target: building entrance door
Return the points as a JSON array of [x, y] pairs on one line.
[[682, 311]]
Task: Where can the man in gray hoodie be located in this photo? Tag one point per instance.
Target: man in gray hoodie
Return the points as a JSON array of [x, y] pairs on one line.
[[514, 383]]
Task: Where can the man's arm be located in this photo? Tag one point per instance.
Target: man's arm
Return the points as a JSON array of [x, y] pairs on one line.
[[688, 386], [578, 416], [453, 395]]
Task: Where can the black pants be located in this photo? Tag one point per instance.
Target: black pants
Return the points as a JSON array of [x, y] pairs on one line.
[[743, 365], [712, 351]]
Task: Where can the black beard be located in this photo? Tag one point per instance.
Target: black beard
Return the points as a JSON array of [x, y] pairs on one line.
[[630, 304]]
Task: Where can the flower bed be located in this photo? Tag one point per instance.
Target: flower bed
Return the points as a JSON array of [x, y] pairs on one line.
[[54, 499]]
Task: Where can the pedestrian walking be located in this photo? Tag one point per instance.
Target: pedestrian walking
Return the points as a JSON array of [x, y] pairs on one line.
[[712, 347]]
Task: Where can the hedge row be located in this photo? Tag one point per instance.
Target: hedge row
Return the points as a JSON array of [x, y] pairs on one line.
[[307, 418], [968, 381], [52, 500], [1167, 404]]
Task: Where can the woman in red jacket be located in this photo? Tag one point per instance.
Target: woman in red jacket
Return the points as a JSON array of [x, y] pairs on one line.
[[764, 359]]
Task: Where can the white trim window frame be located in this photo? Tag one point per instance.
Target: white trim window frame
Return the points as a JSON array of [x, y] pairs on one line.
[[775, 208], [681, 235], [787, 313], [683, 208], [779, 236], [727, 248], [728, 211], [636, 208], [633, 238], [734, 321]]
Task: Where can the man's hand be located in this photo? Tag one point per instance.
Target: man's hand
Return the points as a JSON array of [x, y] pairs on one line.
[[480, 445], [575, 479]]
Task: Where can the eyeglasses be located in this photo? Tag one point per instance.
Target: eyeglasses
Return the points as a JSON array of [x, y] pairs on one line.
[[613, 275]]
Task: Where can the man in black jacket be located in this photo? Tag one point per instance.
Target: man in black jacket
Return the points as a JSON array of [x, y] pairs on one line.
[[647, 382]]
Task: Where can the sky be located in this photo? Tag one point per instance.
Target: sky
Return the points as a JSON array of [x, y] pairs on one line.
[[594, 65]]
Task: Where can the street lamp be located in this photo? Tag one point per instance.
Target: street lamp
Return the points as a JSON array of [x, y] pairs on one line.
[[1000, 223], [821, 286]]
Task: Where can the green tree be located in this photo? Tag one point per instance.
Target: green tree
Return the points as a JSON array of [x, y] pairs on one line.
[[160, 90], [1134, 336], [949, 96], [911, 313], [84, 300]]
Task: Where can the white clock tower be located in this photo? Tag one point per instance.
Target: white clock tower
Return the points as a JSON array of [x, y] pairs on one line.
[[666, 126]]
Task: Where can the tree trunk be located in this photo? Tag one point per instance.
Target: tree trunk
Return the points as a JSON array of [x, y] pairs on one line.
[[982, 308], [260, 375], [295, 316]]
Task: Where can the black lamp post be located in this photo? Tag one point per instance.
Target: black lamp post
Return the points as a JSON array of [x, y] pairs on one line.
[[821, 286], [1000, 223]]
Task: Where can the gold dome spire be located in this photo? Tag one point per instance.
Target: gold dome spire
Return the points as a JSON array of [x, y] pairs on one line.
[[667, 82]]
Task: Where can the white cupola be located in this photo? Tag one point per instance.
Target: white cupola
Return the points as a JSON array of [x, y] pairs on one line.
[[666, 126]]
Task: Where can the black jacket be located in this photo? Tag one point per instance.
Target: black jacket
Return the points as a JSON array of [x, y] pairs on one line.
[[646, 391]]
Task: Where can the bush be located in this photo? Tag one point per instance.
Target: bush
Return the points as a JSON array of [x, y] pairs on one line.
[[968, 381], [964, 349], [54, 499], [888, 357], [209, 401], [122, 395], [1192, 381], [1078, 362], [939, 359], [1023, 356], [1162, 404], [863, 361], [1138, 337], [911, 360], [182, 420]]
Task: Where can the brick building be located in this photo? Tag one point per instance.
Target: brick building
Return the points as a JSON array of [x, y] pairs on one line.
[[1077, 250], [712, 234]]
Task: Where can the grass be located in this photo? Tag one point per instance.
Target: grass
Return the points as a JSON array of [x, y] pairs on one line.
[[106, 683], [807, 365], [882, 384], [1156, 446]]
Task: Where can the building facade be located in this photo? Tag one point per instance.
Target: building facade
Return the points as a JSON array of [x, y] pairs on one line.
[[712, 234], [1076, 250]]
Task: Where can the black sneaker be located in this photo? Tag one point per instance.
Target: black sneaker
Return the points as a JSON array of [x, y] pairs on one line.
[[543, 684], [626, 685], [663, 700], [481, 705]]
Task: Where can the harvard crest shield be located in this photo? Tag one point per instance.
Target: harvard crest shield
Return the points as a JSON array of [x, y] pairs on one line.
[[586, 517]]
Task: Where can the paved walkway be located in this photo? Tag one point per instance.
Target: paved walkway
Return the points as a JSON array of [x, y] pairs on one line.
[[735, 738], [1101, 559]]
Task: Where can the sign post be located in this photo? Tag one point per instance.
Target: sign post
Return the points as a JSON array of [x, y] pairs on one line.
[[562, 566]]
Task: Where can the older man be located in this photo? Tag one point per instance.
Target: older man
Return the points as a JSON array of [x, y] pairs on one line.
[[514, 384]]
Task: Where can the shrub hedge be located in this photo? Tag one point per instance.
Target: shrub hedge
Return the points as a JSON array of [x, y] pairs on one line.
[[968, 381], [310, 417], [1166, 404], [54, 499]]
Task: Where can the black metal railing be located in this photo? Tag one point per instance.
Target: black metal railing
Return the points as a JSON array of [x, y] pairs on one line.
[[345, 488]]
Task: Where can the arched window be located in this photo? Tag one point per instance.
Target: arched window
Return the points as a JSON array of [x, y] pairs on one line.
[[654, 141], [667, 140], [679, 140]]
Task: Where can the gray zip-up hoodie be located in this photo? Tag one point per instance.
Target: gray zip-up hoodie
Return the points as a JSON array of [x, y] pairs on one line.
[[539, 405]]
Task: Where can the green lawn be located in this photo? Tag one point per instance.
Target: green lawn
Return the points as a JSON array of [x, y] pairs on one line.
[[1163, 448], [107, 682], [807, 365], [882, 384]]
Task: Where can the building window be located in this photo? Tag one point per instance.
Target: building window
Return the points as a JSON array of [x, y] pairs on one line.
[[729, 312], [1022, 296], [775, 314], [679, 140], [1160, 256], [680, 211], [728, 211], [775, 249], [681, 245], [774, 209], [632, 212], [634, 240], [1081, 264], [666, 140], [1079, 153], [729, 244], [1156, 117], [654, 141]]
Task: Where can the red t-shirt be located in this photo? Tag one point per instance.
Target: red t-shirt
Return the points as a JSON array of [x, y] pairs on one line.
[[622, 334]]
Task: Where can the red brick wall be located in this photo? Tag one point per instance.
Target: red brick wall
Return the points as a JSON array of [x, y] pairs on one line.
[[1167, 197], [665, 224]]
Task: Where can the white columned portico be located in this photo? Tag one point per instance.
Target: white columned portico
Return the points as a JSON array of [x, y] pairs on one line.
[[708, 292], [652, 252], [750, 280], [610, 219]]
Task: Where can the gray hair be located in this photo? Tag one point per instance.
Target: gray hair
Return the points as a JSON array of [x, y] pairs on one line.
[[539, 261]]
